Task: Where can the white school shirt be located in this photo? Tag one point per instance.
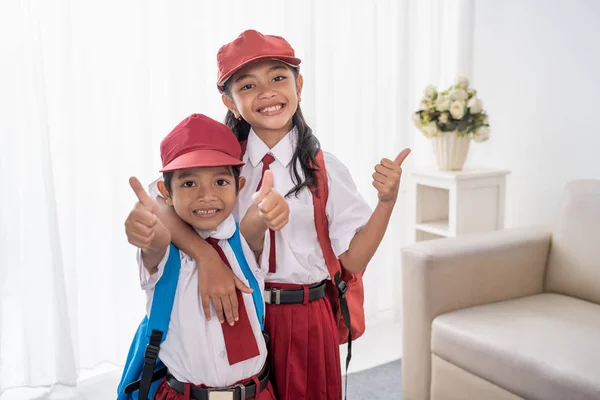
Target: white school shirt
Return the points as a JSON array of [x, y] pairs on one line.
[[299, 256], [194, 350]]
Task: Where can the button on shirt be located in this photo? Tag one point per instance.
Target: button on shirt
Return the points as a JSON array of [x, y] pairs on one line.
[[299, 256], [194, 350]]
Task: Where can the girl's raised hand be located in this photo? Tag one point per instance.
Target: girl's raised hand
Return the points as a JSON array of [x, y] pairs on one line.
[[272, 206], [386, 178]]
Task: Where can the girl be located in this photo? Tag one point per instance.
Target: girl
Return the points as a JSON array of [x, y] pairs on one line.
[[261, 87]]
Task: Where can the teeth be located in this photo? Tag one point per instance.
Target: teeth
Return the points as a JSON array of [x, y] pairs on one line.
[[272, 108], [204, 212]]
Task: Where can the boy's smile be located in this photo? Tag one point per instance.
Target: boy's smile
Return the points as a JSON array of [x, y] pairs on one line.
[[203, 197]]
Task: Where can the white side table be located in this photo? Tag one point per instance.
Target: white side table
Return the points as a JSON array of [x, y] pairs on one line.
[[452, 203]]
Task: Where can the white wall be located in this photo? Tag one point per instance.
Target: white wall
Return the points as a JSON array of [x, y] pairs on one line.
[[536, 65]]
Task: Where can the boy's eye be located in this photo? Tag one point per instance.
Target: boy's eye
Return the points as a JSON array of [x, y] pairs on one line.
[[188, 184], [222, 182], [247, 87], [279, 78]]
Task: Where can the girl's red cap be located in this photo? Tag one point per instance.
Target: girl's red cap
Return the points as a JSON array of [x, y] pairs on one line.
[[249, 47]]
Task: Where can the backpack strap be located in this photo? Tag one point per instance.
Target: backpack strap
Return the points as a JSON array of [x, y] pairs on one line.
[[160, 316], [236, 244], [320, 196]]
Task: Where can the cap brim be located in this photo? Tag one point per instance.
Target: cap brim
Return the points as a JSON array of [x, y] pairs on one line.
[[202, 158], [291, 61]]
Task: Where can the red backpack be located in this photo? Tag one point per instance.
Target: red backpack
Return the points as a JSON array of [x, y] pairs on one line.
[[345, 290]]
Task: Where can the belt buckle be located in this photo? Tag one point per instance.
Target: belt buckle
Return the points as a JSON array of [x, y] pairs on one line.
[[228, 393], [269, 298]]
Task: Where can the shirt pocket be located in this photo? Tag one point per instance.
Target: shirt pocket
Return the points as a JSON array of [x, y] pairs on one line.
[[301, 232]]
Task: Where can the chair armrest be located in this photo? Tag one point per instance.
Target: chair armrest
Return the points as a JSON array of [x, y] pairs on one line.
[[439, 276]]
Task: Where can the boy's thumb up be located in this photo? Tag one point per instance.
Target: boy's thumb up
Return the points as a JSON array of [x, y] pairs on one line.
[[141, 194], [265, 188]]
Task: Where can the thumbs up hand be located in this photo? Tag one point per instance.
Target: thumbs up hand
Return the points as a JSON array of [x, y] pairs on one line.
[[273, 209], [143, 227], [386, 178]]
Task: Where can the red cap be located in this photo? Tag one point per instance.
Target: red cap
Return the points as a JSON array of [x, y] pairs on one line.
[[200, 141], [249, 47]]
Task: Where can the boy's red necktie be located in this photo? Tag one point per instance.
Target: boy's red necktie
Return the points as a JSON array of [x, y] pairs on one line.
[[239, 338], [267, 160]]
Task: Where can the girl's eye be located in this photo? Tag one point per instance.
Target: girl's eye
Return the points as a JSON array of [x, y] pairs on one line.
[[222, 182], [188, 184], [279, 78], [247, 87]]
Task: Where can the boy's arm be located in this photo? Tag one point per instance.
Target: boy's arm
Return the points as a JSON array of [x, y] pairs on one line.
[[215, 280], [386, 180]]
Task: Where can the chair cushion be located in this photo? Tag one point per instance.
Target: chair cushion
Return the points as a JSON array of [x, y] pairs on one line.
[[545, 346]]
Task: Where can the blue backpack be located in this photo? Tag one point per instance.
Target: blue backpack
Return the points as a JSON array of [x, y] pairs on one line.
[[143, 369]]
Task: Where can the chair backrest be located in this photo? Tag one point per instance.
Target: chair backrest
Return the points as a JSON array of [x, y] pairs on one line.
[[574, 261]]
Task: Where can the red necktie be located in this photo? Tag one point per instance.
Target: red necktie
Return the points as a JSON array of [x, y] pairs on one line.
[[267, 160], [239, 338]]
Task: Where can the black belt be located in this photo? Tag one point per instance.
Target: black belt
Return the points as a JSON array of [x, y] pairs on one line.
[[295, 296], [235, 392]]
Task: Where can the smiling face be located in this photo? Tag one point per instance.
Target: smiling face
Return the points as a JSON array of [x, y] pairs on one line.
[[266, 95], [202, 197]]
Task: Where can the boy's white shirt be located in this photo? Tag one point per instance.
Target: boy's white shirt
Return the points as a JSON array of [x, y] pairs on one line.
[[299, 256], [194, 350]]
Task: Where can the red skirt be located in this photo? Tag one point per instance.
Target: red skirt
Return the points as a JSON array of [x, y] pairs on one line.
[[304, 352], [166, 392]]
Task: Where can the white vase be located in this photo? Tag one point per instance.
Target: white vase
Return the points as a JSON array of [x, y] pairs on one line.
[[450, 150]]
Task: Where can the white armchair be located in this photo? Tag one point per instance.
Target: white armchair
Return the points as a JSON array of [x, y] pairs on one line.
[[513, 314]]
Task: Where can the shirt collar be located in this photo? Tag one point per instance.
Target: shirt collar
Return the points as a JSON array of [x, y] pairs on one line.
[[225, 230], [283, 151]]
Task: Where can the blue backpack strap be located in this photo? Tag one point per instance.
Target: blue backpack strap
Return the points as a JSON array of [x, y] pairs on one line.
[[236, 244], [143, 369], [164, 295]]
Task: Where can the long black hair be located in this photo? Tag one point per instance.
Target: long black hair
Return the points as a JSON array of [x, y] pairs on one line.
[[305, 150]]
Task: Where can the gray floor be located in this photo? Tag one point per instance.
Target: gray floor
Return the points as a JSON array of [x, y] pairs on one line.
[[379, 383]]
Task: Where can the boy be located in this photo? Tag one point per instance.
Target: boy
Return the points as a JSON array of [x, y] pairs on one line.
[[201, 162]]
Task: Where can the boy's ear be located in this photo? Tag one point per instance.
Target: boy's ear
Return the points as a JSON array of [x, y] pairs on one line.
[[228, 101], [241, 183], [299, 84], [165, 193]]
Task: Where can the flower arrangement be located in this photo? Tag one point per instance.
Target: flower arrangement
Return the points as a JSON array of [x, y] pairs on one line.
[[456, 109]]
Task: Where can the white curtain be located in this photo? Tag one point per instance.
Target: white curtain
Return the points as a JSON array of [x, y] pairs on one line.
[[87, 91]]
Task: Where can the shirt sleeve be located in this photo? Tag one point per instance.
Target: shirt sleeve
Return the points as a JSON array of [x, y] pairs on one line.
[[347, 210], [147, 281]]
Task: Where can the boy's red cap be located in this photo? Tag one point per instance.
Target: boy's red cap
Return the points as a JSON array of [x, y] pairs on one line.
[[200, 141], [249, 47]]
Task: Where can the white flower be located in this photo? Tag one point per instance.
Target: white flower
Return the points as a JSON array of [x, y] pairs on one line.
[[417, 120], [462, 83], [457, 109], [430, 92], [475, 105], [459, 94], [482, 134], [486, 120], [442, 103], [430, 130], [444, 118], [425, 105], [472, 92]]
